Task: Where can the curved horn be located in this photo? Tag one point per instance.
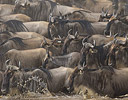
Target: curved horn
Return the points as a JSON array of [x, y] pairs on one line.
[[84, 40], [69, 31], [115, 35], [59, 37], [7, 62], [76, 34], [84, 64]]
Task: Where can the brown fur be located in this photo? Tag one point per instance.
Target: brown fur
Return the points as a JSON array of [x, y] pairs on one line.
[[29, 59], [105, 81]]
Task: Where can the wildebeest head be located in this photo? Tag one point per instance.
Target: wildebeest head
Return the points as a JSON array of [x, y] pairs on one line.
[[117, 56], [77, 74], [57, 42], [21, 6], [91, 79], [9, 72], [89, 54], [68, 40], [104, 15]]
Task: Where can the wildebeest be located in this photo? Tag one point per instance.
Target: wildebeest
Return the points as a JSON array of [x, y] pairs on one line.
[[81, 15], [40, 27], [99, 27], [62, 26], [21, 44], [20, 17], [101, 39], [72, 43], [24, 35], [105, 81], [70, 60], [117, 56], [94, 56], [104, 15], [6, 9], [7, 1], [29, 59], [56, 79], [116, 26], [13, 26], [40, 10], [18, 81], [55, 46]]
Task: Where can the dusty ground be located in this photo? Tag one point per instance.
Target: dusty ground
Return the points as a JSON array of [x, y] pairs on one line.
[[33, 96]]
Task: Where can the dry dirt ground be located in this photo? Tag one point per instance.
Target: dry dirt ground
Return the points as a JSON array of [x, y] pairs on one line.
[[33, 96]]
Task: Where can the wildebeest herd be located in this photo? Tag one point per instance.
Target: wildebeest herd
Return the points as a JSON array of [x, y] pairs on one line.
[[44, 44]]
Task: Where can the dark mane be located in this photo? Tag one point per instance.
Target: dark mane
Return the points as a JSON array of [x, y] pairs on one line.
[[5, 32], [86, 24], [16, 40], [16, 26], [95, 79], [107, 29], [79, 11]]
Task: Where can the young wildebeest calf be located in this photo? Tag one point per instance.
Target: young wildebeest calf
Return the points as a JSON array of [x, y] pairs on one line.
[[105, 81]]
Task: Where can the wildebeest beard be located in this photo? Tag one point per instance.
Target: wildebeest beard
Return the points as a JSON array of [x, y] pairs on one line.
[[98, 59]]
